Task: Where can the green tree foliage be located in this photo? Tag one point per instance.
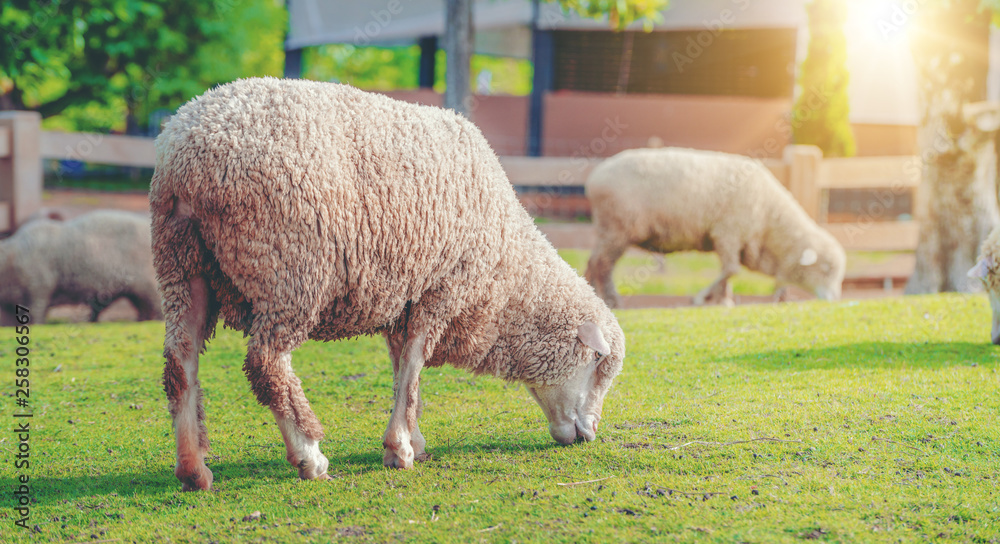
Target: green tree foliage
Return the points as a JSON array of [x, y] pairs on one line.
[[391, 68], [620, 13], [100, 64], [106, 64], [992, 7], [372, 68], [820, 116]]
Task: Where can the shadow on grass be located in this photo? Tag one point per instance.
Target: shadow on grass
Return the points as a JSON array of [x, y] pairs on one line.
[[90, 491], [883, 355]]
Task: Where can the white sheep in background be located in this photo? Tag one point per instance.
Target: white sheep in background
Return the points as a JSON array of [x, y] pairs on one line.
[[987, 270], [93, 259], [671, 199], [300, 210]]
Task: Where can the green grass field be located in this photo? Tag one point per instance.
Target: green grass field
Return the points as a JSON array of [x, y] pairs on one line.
[[846, 422], [683, 273], [686, 273]]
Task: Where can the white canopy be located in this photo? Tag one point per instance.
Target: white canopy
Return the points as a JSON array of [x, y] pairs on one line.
[[317, 22]]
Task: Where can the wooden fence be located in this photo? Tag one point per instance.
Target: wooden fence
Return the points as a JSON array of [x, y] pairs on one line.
[[802, 169], [20, 167], [804, 172]]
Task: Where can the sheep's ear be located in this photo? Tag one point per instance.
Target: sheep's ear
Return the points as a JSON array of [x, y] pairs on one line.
[[982, 268], [590, 334], [985, 116], [809, 257]]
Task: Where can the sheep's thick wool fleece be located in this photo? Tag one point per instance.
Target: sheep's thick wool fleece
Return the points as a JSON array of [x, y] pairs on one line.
[[671, 198], [990, 251], [100, 255], [329, 212]]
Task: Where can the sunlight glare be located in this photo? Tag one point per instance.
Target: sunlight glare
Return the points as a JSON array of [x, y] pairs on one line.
[[885, 22]]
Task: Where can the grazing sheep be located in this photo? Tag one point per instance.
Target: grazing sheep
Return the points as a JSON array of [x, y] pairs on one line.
[[300, 210], [47, 213], [670, 199], [93, 259], [987, 269]]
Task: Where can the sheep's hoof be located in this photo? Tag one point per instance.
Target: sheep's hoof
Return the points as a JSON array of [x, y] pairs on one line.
[[314, 471], [393, 459], [713, 297], [198, 479]]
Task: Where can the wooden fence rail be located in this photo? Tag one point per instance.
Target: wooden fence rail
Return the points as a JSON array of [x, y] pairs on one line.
[[804, 172], [99, 148], [802, 169], [20, 167]]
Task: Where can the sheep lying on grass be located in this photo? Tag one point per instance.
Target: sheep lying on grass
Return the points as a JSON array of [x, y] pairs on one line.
[[987, 269], [669, 199], [300, 210], [93, 259]]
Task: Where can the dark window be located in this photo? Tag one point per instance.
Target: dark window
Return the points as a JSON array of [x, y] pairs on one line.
[[869, 205], [745, 62]]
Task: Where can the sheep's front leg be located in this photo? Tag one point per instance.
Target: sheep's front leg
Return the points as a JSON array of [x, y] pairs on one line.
[[403, 442], [269, 370], [7, 317], [38, 304]]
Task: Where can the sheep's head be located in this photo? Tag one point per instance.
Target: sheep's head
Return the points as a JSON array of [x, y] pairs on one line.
[[818, 267], [987, 270], [573, 407]]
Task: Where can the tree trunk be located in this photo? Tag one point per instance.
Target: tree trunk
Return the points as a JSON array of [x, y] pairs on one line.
[[958, 200], [458, 46], [12, 100]]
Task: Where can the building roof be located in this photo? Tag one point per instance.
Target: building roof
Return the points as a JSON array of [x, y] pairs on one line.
[[317, 22]]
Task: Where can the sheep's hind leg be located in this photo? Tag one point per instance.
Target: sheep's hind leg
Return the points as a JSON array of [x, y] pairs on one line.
[[187, 312], [95, 311], [721, 291], [395, 343], [402, 437], [781, 293], [269, 368], [146, 304], [601, 265]]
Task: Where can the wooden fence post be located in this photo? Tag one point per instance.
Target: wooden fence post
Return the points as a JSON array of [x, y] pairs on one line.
[[20, 167], [803, 172]]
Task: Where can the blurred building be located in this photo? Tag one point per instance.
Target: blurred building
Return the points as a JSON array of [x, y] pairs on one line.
[[715, 74]]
